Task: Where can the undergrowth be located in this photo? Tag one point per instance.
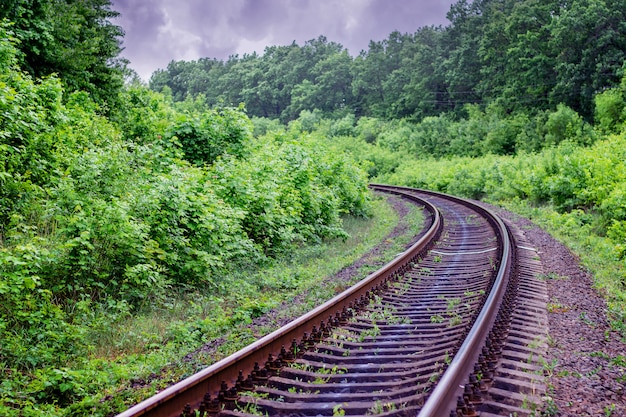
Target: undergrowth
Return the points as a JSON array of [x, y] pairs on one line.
[[132, 356]]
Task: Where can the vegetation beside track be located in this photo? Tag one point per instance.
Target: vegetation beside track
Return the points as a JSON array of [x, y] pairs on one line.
[[574, 192], [117, 201], [105, 217], [574, 187], [136, 355]]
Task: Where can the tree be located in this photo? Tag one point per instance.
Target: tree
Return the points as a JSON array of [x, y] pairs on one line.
[[461, 65], [420, 77], [610, 110], [590, 37], [372, 70], [73, 39], [329, 91], [524, 56], [531, 62]]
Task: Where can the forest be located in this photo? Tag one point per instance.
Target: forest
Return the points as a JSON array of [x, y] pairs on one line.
[[526, 56], [133, 208]]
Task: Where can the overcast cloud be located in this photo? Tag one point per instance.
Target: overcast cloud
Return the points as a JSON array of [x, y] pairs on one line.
[[158, 31]]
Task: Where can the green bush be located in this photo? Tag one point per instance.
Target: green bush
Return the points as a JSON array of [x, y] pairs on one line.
[[291, 191], [35, 331], [28, 111], [368, 129], [109, 215], [565, 124], [131, 224], [212, 133], [144, 115], [263, 126], [610, 108]]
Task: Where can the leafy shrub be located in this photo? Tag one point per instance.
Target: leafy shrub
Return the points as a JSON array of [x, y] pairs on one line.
[[610, 110], [343, 126], [565, 124], [368, 129], [617, 233], [431, 137], [395, 136], [131, 225], [34, 329], [291, 191], [215, 132], [308, 120], [263, 126], [99, 217], [144, 115], [28, 110]]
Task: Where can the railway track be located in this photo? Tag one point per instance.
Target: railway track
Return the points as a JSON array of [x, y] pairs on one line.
[[452, 327]]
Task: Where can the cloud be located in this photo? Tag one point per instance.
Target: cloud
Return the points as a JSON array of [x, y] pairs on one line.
[[159, 31]]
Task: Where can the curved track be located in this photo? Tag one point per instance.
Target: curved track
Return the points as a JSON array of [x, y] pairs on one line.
[[423, 335]]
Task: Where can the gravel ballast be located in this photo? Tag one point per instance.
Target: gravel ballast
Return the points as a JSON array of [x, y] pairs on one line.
[[586, 360]]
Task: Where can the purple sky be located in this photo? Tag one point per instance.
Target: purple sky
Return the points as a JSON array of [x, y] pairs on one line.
[[158, 31]]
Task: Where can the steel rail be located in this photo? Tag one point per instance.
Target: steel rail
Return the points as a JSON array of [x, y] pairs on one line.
[[170, 402], [443, 399]]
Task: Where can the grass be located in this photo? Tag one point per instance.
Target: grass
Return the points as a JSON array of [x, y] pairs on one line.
[[134, 355], [551, 276], [554, 306], [380, 407]]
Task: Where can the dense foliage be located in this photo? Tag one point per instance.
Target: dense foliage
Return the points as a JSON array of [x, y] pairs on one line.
[[73, 39], [523, 55], [582, 191], [93, 216]]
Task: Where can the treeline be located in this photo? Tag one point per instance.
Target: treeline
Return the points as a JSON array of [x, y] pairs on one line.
[[518, 54]]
